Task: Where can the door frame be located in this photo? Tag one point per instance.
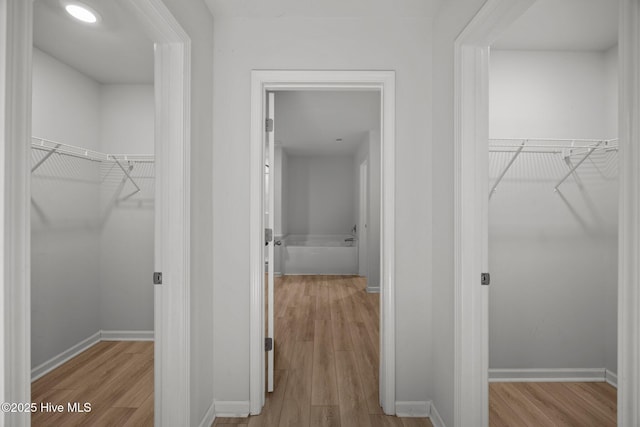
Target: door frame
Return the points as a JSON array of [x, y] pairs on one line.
[[172, 229], [279, 80], [471, 117]]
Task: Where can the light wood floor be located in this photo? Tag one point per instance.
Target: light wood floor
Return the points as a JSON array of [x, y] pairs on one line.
[[552, 404], [115, 377], [326, 357]]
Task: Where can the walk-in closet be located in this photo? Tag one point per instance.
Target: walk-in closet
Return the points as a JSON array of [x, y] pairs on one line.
[[553, 219], [92, 216]]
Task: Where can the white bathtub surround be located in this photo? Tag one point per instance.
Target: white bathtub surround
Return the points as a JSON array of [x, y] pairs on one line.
[[331, 254]]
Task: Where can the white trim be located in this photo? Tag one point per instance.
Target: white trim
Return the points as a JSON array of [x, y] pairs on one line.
[[232, 409], [126, 336], [209, 416], [629, 216], [173, 211], [86, 344], [471, 134], [611, 378], [15, 251], [413, 409], [262, 80], [435, 417], [373, 289], [548, 375], [65, 356]]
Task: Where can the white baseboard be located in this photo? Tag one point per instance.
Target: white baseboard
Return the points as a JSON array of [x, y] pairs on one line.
[[84, 345], [434, 416], [63, 357], [412, 409], [547, 375], [209, 416], [232, 409], [611, 378], [126, 335]]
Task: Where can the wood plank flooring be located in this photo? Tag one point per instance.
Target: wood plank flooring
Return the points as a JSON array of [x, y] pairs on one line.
[[115, 377], [326, 357], [552, 404], [326, 374]]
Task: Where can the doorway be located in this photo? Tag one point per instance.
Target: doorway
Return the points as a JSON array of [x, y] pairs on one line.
[[268, 81], [171, 137], [471, 125]]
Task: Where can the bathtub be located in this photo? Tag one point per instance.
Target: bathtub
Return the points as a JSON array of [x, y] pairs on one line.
[[319, 254]]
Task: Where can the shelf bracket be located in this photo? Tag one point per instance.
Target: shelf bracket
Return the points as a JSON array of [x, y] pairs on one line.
[[577, 165], [44, 159], [504, 172]]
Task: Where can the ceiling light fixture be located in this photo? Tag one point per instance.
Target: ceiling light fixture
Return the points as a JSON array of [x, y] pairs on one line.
[[82, 12]]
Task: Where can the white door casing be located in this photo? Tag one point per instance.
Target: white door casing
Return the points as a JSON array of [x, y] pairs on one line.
[[471, 135], [278, 80]]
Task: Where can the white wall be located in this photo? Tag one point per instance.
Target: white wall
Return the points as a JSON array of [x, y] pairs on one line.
[[552, 256], [127, 233], [197, 22], [548, 95], [65, 232], [243, 44], [319, 195]]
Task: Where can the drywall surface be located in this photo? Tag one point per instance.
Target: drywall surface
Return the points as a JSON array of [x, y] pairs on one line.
[[245, 44], [320, 195], [64, 228], [611, 90], [196, 20], [540, 94], [552, 255], [452, 17], [127, 231]]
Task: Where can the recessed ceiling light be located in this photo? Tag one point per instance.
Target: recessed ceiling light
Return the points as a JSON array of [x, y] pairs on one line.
[[82, 12]]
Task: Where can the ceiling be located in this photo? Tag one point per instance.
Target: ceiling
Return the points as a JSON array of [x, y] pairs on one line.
[[116, 50], [323, 8], [577, 25], [309, 122]]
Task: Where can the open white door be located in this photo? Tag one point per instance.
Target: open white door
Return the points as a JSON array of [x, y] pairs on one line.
[[270, 241]]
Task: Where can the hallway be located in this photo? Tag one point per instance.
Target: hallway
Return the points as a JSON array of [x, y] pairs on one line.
[[326, 357]]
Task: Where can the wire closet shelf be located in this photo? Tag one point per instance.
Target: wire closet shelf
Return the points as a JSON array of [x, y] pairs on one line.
[[567, 148], [123, 161]]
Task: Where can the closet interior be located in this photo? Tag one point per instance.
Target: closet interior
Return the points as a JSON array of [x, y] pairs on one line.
[[553, 217], [92, 213]]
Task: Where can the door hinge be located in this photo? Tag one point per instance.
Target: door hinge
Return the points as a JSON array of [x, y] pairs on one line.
[[157, 278], [269, 125], [268, 235], [268, 344], [485, 279]]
